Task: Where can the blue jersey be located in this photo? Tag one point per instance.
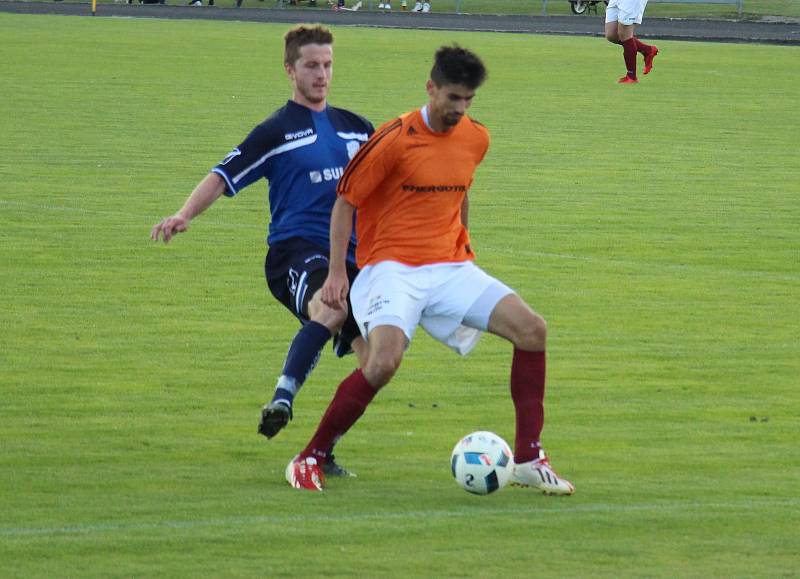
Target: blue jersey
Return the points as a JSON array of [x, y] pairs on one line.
[[301, 153]]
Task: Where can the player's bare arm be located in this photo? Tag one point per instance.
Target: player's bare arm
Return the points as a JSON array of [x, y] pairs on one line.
[[465, 216], [203, 196], [334, 292]]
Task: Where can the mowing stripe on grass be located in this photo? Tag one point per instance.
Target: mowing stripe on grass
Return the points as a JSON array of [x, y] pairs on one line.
[[538, 509], [753, 274]]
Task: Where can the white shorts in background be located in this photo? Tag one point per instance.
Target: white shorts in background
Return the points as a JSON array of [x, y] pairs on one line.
[[625, 11], [451, 301]]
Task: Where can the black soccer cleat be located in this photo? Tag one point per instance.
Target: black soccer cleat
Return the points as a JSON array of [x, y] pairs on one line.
[[331, 468], [274, 416]]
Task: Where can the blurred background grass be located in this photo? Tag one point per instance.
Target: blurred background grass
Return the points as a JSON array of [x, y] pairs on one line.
[[753, 9]]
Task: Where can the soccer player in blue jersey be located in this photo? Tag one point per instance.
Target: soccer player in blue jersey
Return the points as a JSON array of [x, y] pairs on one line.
[[301, 150]]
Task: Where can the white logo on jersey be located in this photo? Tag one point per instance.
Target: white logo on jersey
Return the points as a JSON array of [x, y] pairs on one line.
[[329, 174], [332, 174], [298, 134], [352, 148], [230, 156]]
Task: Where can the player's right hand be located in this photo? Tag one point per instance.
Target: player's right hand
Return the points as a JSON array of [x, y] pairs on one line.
[[334, 291], [168, 227]]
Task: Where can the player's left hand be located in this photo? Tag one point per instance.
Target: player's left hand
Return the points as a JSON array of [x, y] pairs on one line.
[[334, 291], [168, 227]]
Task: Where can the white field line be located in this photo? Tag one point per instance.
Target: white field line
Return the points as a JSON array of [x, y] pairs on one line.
[[686, 508], [149, 221]]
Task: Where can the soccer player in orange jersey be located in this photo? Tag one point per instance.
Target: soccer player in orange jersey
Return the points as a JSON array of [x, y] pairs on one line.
[[408, 185]]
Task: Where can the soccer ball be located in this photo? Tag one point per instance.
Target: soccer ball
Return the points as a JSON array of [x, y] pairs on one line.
[[481, 463]]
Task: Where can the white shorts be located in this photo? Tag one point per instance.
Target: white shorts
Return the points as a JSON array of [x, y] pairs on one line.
[[625, 11], [451, 301]]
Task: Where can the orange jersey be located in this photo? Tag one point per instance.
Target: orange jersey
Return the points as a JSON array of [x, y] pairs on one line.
[[408, 184]]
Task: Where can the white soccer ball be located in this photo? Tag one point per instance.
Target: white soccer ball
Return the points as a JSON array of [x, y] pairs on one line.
[[482, 463]]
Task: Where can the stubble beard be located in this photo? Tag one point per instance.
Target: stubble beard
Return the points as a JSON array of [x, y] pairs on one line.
[[313, 96]]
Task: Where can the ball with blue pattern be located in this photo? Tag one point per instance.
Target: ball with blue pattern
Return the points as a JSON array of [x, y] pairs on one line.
[[481, 463]]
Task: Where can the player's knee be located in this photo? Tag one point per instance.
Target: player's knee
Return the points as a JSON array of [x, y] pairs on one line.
[[612, 37], [328, 317], [531, 335], [381, 368]]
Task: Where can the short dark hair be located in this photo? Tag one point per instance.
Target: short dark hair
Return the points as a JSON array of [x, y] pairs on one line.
[[299, 36], [456, 65]]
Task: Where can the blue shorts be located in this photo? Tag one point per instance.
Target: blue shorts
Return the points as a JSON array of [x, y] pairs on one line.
[[295, 269]]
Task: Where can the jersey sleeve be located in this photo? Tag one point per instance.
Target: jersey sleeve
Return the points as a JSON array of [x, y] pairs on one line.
[[373, 162], [250, 161]]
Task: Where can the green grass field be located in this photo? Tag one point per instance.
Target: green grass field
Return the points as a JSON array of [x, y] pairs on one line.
[[655, 227]]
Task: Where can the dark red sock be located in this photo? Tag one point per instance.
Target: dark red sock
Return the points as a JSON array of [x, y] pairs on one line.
[[527, 392], [351, 399], [629, 52], [642, 47]]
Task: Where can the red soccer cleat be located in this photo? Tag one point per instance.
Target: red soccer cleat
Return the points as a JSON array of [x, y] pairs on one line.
[[627, 80], [648, 60], [305, 473]]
